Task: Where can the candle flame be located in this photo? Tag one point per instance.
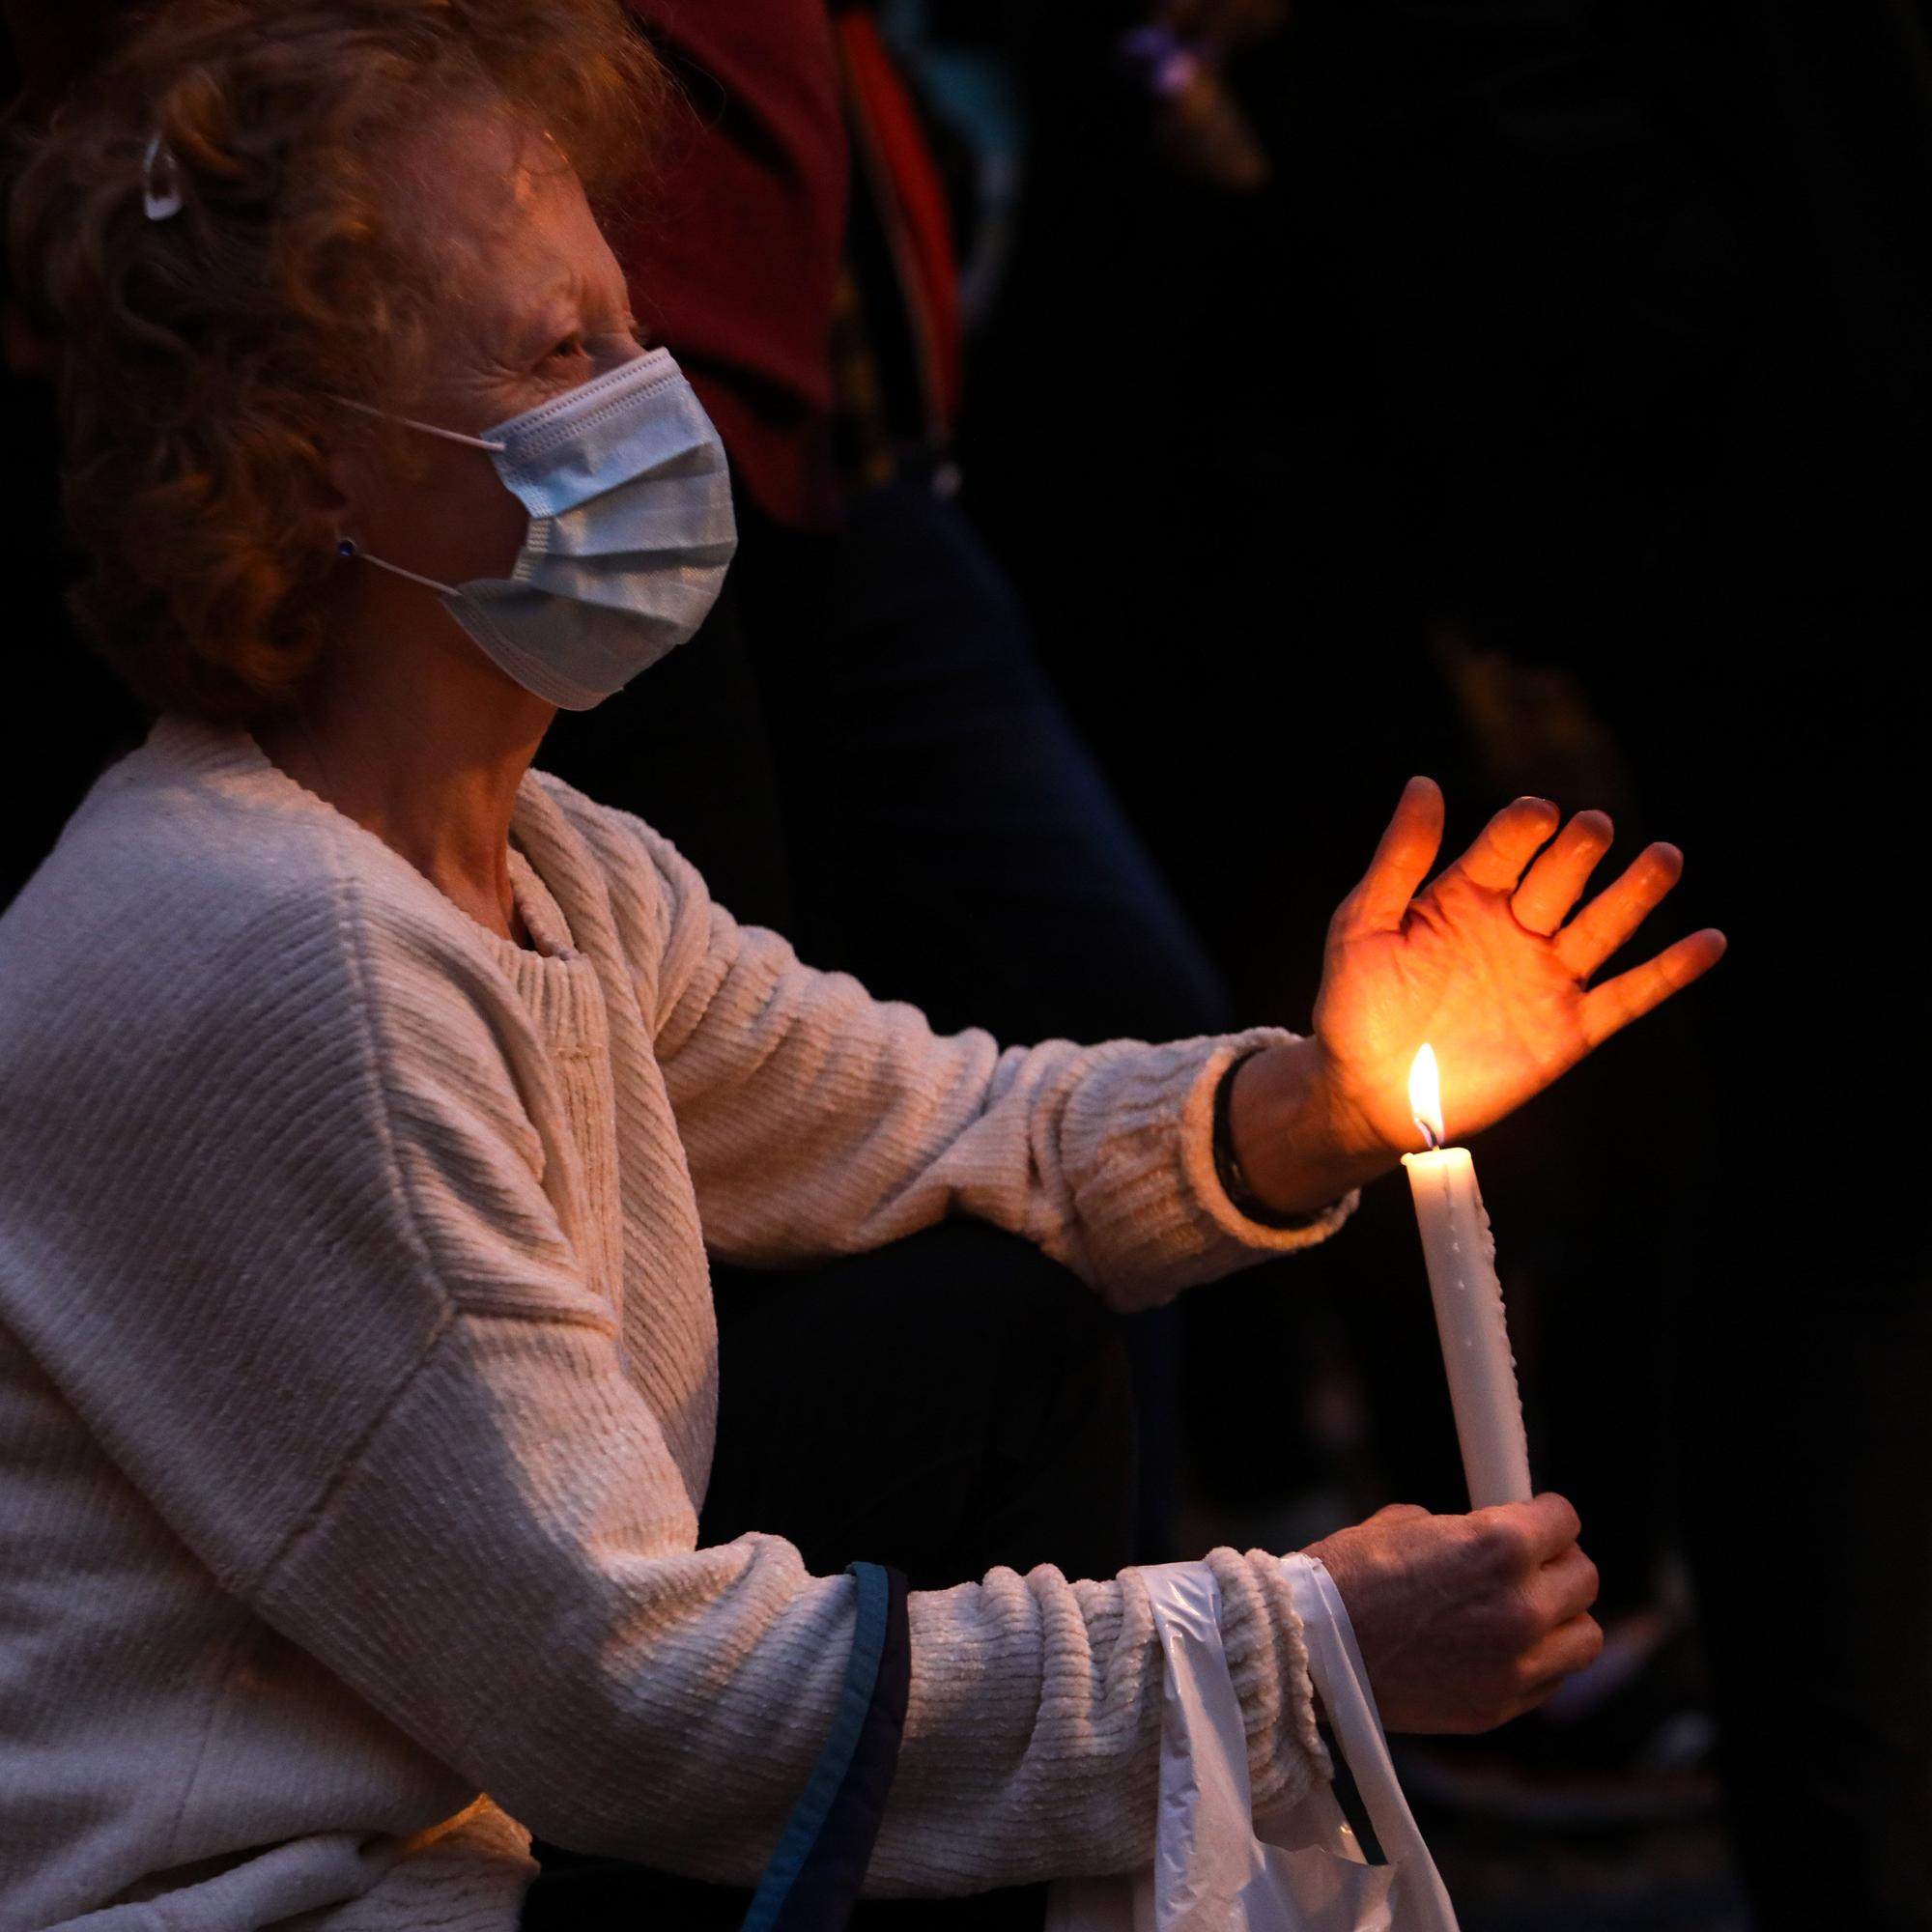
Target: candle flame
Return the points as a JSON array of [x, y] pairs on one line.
[[1425, 1095]]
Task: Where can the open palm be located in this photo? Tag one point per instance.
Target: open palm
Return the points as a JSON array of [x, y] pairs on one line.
[[1483, 965]]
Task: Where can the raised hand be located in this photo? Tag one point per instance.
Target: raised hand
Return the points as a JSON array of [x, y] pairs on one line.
[[1482, 965]]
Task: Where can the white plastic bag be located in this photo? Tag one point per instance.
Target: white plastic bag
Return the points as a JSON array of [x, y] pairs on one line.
[[1216, 1867]]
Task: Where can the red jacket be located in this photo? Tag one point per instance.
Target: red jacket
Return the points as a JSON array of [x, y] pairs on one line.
[[732, 247]]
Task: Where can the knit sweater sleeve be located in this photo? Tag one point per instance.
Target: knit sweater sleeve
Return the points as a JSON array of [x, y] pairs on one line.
[[819, 1120]]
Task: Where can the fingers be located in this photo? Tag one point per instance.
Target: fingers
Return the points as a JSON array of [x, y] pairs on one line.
[[1566, 1587], [1608, 920], [1612, 1006], [1399, 1513], [1564, 1638], [1570, 1647], [1556, 881], [1402, 860], [1507, 843], [1530, 1678], [1526, 1536], [1619, 909]]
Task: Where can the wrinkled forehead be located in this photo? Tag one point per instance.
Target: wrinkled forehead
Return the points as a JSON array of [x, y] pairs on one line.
[[494, 206], [469, 178]]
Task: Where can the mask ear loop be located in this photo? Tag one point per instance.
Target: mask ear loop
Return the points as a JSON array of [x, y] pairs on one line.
[[428, 429], [348, 547]]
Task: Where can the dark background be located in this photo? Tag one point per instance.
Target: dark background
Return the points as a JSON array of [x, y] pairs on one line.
[[1554, 418]]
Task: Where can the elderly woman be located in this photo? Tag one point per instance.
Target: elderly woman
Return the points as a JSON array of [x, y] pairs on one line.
[[370, 1097]]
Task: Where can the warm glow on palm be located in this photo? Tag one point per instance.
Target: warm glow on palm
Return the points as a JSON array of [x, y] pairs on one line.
[[1482, 965]]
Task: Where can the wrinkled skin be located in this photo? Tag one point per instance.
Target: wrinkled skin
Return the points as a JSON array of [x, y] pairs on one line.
[[1467, 1621]]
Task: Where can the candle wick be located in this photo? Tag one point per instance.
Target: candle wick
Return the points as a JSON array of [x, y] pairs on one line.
[[1428, 1133]]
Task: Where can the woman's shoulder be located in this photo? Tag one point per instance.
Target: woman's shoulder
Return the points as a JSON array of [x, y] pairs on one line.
[[193, 876], [647, 881]]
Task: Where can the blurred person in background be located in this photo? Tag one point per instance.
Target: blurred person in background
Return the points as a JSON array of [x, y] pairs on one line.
[[918, 774]]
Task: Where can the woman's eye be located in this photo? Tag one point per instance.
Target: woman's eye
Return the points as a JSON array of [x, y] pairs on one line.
[[565, 346]]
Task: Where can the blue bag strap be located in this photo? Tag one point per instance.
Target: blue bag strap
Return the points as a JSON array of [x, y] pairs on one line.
[[813, 1880]]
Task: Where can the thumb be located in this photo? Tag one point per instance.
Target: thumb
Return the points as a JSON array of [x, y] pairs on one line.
[[1402, 860], [1399, 1512]]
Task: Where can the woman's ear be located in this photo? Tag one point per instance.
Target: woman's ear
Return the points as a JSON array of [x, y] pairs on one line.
[[348, 462], [368, 461], [338, 493]]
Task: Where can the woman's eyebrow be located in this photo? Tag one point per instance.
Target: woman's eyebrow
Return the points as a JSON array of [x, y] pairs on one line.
[[557, 313], [575, 295]]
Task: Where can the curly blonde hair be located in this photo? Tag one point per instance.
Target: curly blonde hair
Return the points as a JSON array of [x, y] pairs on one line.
[[198, 352]]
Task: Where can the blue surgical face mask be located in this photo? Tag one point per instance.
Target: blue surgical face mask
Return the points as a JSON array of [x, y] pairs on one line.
[[630, 528]]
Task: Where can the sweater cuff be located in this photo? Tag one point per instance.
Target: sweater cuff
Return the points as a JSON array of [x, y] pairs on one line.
[[1155, 1216], [1267, 1661]]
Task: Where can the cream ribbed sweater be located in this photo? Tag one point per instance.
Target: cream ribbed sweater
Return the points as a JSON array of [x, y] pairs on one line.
[[357, 1377]]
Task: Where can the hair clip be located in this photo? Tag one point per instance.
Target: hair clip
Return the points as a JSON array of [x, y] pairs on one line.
[[160, 181]]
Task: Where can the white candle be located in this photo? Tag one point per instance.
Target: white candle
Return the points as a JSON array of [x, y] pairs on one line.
[[1461, 1257]]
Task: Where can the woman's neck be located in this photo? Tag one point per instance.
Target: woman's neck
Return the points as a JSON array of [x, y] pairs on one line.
[[429, 763]]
